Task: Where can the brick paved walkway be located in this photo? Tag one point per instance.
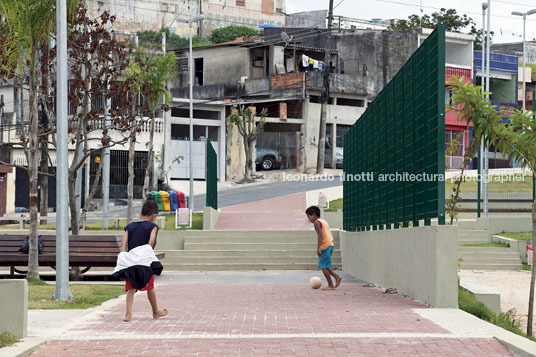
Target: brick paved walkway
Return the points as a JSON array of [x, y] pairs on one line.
[[280, 213], [269, 320]]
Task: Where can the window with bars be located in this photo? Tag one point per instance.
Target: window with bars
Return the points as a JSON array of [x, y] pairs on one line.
[[240, 2]]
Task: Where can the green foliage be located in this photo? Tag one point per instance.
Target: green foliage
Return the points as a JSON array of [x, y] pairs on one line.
[[453, 21], [487, 245], [527, 236], [7, 339], [34, 281], [230, 33], [173, 41], [507, 321]]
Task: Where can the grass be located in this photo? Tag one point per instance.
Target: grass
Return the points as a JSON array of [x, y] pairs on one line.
[[85, 295], [197, 224], [487, 245], [7, 339], [335, 205], [527, 267], [523, 186], [507, 321], [518, 236]]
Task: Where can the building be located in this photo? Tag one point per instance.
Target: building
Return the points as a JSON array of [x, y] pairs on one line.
[[142, 15], [319, 19]]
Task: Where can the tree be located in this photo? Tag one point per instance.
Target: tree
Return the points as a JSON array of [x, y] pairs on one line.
[[161, 69], [26, 26], [452, 20], [515, 137], [248, 128], [173, 41], [230, 33]]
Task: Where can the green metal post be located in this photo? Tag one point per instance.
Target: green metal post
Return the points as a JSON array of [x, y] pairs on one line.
[[478, 183]]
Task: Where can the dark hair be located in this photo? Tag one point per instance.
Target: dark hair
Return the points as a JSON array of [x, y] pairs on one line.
[[313, 210], [149, 208]]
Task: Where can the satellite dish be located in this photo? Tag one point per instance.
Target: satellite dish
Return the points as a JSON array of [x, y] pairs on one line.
[[285, 38]]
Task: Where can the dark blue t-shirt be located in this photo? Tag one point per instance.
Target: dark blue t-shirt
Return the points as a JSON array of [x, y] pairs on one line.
[[139, 233]]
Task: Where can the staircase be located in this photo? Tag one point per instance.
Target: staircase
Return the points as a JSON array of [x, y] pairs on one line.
[[248, 250], [483, 258]]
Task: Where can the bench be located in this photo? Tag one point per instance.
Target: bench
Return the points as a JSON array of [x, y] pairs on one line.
[[84, 251], [483, 293], [23, 220]]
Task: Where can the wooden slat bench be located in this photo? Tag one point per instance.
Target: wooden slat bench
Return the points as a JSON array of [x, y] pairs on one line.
[[84, 251]]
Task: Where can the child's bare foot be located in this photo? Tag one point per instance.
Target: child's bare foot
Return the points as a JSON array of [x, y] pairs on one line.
[[160, 313], [329, 288], [127, 318], [338, 281]]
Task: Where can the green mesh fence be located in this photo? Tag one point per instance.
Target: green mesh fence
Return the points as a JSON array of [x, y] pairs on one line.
[[402, 133], [211, 177]]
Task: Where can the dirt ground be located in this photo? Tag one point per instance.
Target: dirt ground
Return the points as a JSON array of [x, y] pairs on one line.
[[513, 287]]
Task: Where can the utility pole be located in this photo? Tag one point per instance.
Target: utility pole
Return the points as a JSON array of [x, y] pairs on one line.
[[62, 291], [325, 97], [485, 171], [481, 149]]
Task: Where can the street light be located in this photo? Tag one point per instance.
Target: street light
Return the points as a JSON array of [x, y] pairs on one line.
[[524, 15], [481, 151], [191, 61]]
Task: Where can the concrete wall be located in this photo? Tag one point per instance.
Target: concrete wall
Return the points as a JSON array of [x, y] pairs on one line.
[[506, 224], [210, 217], [420, 262], [14, 306], [170, 240], [334, 219]]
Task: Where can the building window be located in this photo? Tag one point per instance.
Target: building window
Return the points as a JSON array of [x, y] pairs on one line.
[[448, 94], [240, 2], [198, 68], [351, 102], [455, 148]]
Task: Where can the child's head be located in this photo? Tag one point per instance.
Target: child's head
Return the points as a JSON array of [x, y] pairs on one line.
[[149, 209], [313, 213]]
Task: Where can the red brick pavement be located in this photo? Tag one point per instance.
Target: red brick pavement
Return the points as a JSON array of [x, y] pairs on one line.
[[280, 213], [223, 320], [308, 347], [268, 310]]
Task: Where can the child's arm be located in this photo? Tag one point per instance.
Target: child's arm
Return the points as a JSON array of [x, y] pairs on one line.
[[318, 229], [124, 242], [152, 239]]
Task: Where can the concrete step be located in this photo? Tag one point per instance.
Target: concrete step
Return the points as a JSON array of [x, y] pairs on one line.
[[479, 250], [267, 233], [235, 266], [311, 238], [246, 260], [491, 266], [491, 255], [252, 246], [470, 225], [473, 233], [244, 253], [487, 260], [471, 241]]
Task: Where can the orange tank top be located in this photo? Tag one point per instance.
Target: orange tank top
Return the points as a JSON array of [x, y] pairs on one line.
[[327, 238]]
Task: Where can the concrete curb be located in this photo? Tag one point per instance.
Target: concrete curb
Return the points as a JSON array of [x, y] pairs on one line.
[[23, 348]]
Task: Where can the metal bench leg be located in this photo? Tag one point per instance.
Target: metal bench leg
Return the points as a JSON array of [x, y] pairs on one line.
[[12, 272]]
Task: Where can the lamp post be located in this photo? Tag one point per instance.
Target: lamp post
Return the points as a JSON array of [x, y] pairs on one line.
[[191, 70], [481, 150], [524, 15], [62, 291]]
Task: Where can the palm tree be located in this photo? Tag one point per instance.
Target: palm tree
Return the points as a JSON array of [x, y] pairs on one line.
[[162, 69], [27, 25]]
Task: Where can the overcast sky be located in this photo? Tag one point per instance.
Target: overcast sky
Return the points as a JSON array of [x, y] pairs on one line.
[[507, 28]]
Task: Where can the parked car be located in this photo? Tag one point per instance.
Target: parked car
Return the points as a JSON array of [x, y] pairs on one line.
[[268, 159], [339, 156]]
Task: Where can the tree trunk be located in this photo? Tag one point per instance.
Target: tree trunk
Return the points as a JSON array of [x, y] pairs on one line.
[[33, 158], [149, 158], [247, 149], [130, 184], [470, 152], [93, 189], [72, 202], [533, 273], [228, 148], [43, 167]]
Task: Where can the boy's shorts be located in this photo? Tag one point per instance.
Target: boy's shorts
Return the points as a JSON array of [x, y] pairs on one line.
[[324, 260], [149, 286]]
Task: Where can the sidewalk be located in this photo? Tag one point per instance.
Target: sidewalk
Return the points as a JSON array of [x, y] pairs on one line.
[[272, 314], [280, 213]]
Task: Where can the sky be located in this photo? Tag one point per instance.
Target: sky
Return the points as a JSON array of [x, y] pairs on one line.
[[507, 28]]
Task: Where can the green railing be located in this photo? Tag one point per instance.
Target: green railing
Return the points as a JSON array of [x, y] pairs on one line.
[[401, 133], [211, 177]]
